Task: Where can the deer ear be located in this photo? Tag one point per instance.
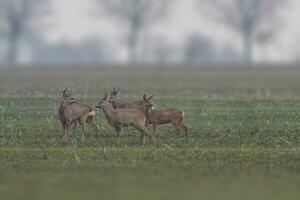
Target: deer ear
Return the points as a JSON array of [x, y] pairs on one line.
[[64, 90], [145, 97], [118, 91], [114, 92], [150, 97]]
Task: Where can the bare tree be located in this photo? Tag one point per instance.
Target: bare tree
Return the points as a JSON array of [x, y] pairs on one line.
[[254, 20], [199, 49], [156, 49], [136, 14], [18, 17]]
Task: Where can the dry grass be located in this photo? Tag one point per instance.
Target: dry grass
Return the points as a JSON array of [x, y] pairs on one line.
[[232, 83]]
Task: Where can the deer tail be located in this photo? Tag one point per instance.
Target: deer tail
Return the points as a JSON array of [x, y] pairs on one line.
[[182, 117], [92, 113]]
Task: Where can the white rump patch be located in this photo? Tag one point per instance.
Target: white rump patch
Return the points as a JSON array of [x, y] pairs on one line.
[[92, 113]]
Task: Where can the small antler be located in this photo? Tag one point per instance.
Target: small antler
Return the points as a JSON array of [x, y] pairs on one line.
[[147, 98], [150, 97], [66, 92], [115, 92]]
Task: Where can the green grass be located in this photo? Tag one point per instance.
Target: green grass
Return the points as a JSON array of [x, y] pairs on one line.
[[32, 121], [73, 172], [244, 136]]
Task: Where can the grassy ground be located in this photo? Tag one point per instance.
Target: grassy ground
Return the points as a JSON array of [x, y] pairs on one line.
[[244, 136]]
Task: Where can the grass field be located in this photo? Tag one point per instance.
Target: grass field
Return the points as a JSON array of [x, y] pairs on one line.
[[244, 136]]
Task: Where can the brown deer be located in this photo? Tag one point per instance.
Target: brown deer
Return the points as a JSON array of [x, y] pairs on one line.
[[70, 112], [157, 117], [120, 118], [140, 105]]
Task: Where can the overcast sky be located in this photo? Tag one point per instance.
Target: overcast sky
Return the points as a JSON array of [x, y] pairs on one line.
[[75, 20]]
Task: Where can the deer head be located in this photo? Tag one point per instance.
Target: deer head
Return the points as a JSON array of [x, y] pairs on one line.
[[67, 97], [104, 103], [147, 103], [115, 92], [113, 95]]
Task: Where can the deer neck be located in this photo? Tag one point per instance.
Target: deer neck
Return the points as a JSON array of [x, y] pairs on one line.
[[62, 102], [108, 113], [115, 104], [148, 113]]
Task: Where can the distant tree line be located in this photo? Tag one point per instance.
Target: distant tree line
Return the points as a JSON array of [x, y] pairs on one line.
[[18, 19], [254, 21]]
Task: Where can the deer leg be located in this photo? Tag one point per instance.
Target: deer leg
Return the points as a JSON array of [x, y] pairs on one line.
[[82, 122], [146, 122], [154, 134], [143, 134], [66, 131], [186, 129], [118, 132], [122, 131], [177, 128], [94, 126], [75, 125], [62, 129]]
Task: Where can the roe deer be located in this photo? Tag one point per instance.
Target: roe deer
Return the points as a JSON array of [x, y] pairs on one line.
[[139, 105], [174, 116], [120, 118], [70, 112]]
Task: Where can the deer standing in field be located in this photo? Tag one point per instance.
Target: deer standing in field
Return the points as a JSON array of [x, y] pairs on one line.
[[139, 105], [120, 118], [157, 117], [70, 112]]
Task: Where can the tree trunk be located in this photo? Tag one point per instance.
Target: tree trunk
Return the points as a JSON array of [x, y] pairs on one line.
[[12, 50], [15, 29], [247, 47], [133, 40]]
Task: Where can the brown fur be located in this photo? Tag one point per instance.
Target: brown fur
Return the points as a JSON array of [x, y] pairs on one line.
[[120, 118], [70, 112], [157, 117], [139, 105]]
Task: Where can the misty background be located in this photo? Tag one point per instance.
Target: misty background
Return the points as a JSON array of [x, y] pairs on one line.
[[149, 32]]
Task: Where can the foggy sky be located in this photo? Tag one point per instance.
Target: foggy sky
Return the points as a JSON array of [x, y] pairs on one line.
[[74, 20]]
